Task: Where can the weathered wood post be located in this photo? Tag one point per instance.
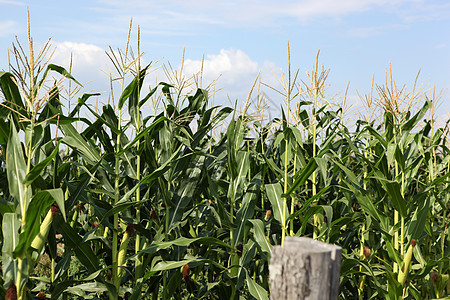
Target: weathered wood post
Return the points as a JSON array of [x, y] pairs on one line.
[[304, 269]]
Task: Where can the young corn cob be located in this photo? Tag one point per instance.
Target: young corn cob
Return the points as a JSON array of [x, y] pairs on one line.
[[39, 241], [129, 232], [406, 263], [78, 209]]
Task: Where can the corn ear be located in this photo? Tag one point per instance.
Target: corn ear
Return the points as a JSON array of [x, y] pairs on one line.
[[39, 241], [406, 263], [74, 218], [123, 250]]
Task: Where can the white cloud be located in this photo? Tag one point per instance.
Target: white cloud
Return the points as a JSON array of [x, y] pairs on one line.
[[235, 71], [90, 66], [85, 54], [88, 61], [230, 64]]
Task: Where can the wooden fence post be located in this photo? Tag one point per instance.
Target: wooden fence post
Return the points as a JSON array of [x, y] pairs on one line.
[[304, 269]]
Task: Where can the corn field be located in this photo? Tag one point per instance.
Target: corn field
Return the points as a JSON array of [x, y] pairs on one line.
[[113, 202]]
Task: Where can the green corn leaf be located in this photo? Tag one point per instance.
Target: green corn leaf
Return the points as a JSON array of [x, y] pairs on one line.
[[231, 148], [419, 218], [62, 287], [399, 158], [131, 87], [151, 93], [408, 126], [367, 204], [12, 95], [75, 140], [40, 203], [154, 247], [146, 180], [248, 257], [274, 168], [255, 289], [103, 120], [274, 193], [350, 175], [10, 89], [16, 170], [60, 70], [393, 254], [308, 202], [89, 287], [247, 208], [397, 200], [169, 265], [77, 192], [242, 166], [81, 102], [301, 177], [185, 192], [58, 196], [297, 136], [328, 213], [37, 169], [141, 135], [322, 165], [377, 135], [4, 132], [10, 229], [312, 210], [259, 235], [82, 249], [207, 127]]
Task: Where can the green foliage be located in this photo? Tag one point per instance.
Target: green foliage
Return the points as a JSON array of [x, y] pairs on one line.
[[208, 204]]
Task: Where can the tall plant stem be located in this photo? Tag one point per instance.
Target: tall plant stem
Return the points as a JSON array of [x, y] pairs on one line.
[[315, 95], [402, 228], [283, 232], [291, 225], [444, 221], [366, 155], [21, 268], [115, 271], [286, 151], [396, 219], [138, 262], [232, 214], [363, 241], [396, 231], [28, 148]]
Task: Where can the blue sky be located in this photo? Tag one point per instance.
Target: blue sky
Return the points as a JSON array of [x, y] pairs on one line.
[[356, 38]]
